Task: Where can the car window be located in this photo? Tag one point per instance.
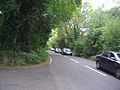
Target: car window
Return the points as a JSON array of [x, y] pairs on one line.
[[68, 50], [106, 54], [59, 49], [112, 55], [118, 55]]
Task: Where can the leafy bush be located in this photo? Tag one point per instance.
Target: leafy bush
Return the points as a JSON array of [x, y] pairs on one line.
[[112, 35], [11, 59], [78, 49], [42, 54], [93, 58], [79, 46], [31, 58]]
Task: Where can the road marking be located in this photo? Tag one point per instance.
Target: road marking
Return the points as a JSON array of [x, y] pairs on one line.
[[74, 60], [50, 60], [95, 71]]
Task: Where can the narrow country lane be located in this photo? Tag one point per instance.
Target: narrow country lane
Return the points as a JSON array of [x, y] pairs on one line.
[[63, 73]]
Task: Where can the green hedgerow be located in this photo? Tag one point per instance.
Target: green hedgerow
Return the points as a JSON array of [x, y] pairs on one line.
[[12, 58]]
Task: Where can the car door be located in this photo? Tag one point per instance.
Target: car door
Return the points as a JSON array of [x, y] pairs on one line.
[[104, 59], [111, 62]]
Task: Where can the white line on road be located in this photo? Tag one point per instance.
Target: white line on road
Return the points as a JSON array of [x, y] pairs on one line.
[[50, 60], [95, 71], [74, 60]]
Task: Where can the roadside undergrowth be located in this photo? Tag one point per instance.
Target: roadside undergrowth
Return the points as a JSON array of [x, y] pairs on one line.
[[11, 59]]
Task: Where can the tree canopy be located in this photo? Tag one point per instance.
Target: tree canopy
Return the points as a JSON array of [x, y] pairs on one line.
[[91, 32], [25, 24]]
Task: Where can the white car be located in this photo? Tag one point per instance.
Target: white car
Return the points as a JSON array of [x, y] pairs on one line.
[[58, 50], [66, 51], [52, 49]]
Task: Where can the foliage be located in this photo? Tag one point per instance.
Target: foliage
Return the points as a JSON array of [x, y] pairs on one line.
[[90, 34], [61, 8], [93, 58], [54, 38], [112, 35], [104, 33], [12, 59], [79, 46], [25, 26], [94, 42]]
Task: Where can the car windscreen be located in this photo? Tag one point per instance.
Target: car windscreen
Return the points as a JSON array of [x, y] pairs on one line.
[[59, 49], [118, 55], [68, 50]]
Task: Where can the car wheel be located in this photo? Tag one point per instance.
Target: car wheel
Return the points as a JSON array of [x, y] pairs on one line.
[[98, 65], [117, 73]]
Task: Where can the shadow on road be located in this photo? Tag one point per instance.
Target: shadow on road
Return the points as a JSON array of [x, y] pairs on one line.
[[108, 72]]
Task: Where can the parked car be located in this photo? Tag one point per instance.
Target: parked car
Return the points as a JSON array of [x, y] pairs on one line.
[[66, 51], [58, 50], [110, 61], [52, 49]]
